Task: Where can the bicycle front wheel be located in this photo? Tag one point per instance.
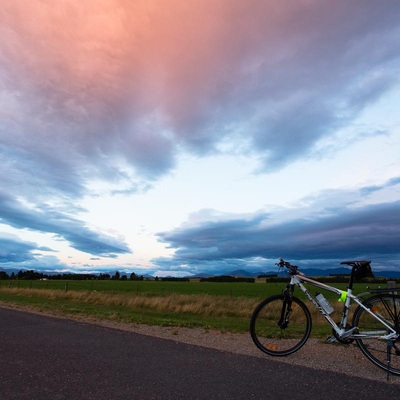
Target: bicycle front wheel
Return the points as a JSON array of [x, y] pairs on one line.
[[279, 328], [379, 351]]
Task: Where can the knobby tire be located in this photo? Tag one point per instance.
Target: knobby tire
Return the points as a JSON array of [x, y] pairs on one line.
[[387, 306], [283, 339]]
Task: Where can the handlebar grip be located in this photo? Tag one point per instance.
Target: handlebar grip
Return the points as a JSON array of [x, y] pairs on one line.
[[281, 262]]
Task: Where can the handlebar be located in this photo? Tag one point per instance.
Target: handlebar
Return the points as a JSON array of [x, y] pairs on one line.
[[282, 263]]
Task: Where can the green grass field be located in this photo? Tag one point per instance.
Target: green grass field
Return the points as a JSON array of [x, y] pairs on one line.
[[165, 288], [209, 305]]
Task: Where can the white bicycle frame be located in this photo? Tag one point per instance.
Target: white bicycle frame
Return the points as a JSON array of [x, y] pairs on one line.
[[343, 333]]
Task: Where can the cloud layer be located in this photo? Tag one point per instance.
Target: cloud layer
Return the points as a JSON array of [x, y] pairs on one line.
[[105, 96], [318, 234], [90, 88], [62, 226]]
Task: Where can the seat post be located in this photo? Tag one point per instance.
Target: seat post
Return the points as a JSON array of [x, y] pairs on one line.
[[351, 280]]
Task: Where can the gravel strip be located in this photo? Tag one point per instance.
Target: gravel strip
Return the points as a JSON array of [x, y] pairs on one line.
[[316, 353]]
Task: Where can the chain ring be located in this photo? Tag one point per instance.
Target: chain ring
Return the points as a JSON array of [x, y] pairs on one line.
[[342, 340]]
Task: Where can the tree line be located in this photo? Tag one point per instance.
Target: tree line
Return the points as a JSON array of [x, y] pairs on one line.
[[35, 275]]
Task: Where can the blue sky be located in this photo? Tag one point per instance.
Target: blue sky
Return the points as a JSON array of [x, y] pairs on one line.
[[184, 137]]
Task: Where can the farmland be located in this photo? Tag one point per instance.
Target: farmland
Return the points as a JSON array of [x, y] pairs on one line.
[[208, 305]]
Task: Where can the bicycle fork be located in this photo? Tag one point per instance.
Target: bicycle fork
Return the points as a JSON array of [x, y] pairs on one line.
[[285, 312]]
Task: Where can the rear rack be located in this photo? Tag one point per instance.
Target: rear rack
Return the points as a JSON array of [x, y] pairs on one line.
[[392, 290]]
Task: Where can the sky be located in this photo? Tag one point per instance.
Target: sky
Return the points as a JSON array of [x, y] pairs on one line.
[[178, 137]]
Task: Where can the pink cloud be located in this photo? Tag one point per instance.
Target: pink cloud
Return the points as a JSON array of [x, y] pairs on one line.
[[91, 78]]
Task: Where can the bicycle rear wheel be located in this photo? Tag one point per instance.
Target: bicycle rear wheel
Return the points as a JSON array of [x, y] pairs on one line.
[[387, 307], [278, 328]]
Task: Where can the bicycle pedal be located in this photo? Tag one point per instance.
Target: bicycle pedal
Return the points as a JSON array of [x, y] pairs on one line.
[[331, 339]]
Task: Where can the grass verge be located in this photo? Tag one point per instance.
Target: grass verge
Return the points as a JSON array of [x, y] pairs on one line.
[[222, 313]]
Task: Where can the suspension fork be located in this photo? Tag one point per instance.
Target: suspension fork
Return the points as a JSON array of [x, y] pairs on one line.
[[286, 306]]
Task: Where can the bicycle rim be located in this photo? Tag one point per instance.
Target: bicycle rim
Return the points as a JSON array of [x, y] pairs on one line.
[[386, 307], [274, 340]]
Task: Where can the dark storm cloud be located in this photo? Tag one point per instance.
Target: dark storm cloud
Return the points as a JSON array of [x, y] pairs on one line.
[[62, 226], [19, 254], [330, 233], [14, 250]]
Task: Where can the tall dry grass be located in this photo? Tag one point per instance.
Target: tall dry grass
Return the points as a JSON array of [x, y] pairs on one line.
[[218, 312], [197, 304]]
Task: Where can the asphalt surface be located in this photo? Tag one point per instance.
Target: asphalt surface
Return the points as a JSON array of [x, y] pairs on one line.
[[50, 358]]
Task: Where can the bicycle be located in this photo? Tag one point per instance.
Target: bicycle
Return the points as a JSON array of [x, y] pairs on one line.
[[281, 324]]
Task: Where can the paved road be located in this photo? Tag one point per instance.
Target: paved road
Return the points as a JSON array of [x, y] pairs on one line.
[[49, 358]]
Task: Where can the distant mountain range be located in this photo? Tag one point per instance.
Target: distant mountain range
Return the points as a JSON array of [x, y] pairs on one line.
[[252, 274], [306, 271]]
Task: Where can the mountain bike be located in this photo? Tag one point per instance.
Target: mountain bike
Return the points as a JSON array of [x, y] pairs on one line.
[[281, 324]]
